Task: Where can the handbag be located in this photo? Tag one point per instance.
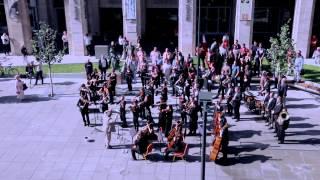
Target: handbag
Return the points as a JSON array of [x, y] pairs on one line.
[[24, 86]]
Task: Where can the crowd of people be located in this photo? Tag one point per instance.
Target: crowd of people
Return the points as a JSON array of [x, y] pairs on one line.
[[228, 69]]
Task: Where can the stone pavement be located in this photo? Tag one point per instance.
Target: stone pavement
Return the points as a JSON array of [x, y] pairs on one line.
[[43, 138]]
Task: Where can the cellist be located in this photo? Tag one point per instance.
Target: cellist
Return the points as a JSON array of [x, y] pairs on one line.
[[175, 140]]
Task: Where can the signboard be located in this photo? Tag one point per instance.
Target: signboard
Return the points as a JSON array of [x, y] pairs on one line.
[[131, 6], [246, 10]]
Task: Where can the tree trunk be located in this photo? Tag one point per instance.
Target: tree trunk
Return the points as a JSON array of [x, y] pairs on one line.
[[50, 77]]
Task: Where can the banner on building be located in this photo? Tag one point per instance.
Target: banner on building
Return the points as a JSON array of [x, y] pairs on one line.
[[131, 6], [246, 10]]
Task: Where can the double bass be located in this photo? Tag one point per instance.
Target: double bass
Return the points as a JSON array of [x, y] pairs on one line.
[[216, 144]]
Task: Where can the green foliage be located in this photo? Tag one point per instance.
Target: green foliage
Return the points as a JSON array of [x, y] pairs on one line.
[[44, 46], [280, 45]]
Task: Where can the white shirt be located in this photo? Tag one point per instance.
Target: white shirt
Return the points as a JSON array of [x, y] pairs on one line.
[[64, 38], [5, 39], [39, 66], [87, 40], [154, 55]]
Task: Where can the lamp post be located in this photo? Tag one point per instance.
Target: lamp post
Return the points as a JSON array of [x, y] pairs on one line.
[[204, 97], [199, 9]]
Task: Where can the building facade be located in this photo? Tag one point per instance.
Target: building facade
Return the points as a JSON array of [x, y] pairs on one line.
[[161, 23]]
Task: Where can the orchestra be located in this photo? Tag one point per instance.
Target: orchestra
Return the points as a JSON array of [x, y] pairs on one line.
[[231, 78]]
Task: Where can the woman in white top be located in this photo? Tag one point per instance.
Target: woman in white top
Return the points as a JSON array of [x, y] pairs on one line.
[[110, 126], [19, 88]]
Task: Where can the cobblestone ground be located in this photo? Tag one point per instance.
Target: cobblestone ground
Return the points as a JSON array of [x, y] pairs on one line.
[[43, 138]]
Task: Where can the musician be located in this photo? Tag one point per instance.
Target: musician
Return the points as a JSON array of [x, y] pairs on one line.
[[281, 126], [105, 101], [183, 107], [224, 80], [271, 104], [179, 85], [83, 105], [168, 117], [193, 114], [89, 68], [229, 96], [142, 139], [109, 89], [224, 134], [162, 113], [236, 102], [187, 88], [276, 111], [123, 112], [173, 79], [143, 71], [265, 104], [210, 78], [283, 88], [164, 92], [176, 143], [129, 77], [135, 113], [113, 82], [141, 103]]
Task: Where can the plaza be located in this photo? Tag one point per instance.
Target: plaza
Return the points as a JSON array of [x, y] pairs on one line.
[[136, 71], [43, 138]]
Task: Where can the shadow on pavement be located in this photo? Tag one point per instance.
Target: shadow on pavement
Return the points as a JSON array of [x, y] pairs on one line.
[[312, 141], [296, 118], [244, 159], [66, 83], [27, 99], [237, 135], [301, 106], [301, 133], [302, 125]]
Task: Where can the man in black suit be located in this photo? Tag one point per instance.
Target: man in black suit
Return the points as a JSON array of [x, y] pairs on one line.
[[236, 102], [270, 106], [83, 105]]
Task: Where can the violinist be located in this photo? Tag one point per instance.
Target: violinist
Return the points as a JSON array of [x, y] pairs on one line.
[[83, 105], [141, 103], [113, 82], [164, 91], [175, 140]]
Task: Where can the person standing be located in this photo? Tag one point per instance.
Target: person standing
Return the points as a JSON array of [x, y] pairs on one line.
[[110, 127], [123, 112], [135, 113], [89, 69], [39, 72], [83, 105], [6, 43], [65, 42], [298, 66], [316, 55], [24, 53], [103, 66], [154, 55], [88, 43], [129, 78], [236, 102], [19, 88], [259, 59]]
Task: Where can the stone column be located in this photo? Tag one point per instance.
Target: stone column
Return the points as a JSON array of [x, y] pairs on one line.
[[302, 25], [18, 22], [133, 19], [76, 20], [244, 21], [187, 26]]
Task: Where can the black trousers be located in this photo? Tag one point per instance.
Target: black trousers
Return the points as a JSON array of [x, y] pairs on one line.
[[135, 123], [123, 117], [39, 74], [129, 82], [236, 109], [280, 132], [85, 116], [221, 90]]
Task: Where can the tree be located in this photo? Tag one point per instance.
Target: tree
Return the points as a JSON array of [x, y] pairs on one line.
[[280, 46], [45, 50]]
